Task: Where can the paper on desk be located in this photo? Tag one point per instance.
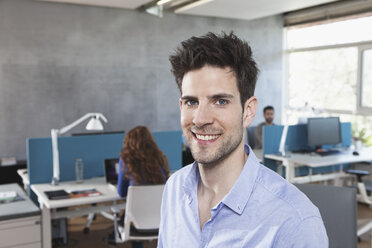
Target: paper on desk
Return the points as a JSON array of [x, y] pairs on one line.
[[84, 193], [9, 196]]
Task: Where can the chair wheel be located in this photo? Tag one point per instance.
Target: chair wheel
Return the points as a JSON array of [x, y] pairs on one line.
[[86, 230]]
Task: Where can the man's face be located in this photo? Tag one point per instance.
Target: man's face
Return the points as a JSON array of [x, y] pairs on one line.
[[212, 116], [269, 116]]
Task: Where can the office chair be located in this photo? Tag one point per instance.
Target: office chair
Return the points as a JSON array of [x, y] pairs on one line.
[[338, 208], [250, 136], [142, 214], [364, 196], [364, 187]]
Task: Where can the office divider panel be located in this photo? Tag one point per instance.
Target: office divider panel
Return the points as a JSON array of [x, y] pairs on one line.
[[170, 143], [93, 149], [297, 140]]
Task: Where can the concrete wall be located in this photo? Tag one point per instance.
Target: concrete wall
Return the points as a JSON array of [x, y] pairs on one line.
[[60, 61]]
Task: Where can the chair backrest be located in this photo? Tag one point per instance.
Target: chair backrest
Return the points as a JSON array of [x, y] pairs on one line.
[[250, 136], [143, 206], [338, 207]]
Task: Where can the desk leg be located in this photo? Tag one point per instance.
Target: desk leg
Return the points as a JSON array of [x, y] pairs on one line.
[[289, 170], [46, 226]]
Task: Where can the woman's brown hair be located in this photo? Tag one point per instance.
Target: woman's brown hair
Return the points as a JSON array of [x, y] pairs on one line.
[[143, 158]]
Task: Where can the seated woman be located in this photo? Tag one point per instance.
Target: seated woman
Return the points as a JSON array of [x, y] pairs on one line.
[[141, 161]]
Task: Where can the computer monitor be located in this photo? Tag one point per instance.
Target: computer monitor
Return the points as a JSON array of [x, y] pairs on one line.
[[323, 131], [112, 170]]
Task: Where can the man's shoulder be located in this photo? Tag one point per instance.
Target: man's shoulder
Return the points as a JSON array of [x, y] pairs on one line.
[[181, 175], [288, 195]]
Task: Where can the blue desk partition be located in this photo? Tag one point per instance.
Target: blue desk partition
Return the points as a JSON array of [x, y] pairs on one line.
[[93, 149], [297, 140]]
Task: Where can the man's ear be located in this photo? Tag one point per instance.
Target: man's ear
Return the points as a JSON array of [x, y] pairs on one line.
[[249, 111]]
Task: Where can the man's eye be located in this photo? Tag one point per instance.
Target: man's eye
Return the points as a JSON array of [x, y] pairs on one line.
[[191, 102], [221, 102]]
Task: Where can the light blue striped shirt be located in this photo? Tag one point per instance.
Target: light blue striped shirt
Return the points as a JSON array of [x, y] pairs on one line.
[[261, 210]]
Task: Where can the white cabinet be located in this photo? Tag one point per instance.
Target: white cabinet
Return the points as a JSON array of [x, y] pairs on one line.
[[20, 221], [21, 232]]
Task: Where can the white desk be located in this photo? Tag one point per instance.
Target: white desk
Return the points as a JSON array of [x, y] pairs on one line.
[[294, 160], [49, 207], [23, 173]]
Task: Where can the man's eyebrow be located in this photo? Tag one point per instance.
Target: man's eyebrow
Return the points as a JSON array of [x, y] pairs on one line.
[[219, 96], [188, 98]]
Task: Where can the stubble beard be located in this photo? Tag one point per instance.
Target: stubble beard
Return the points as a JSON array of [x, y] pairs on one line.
[[201, 156]]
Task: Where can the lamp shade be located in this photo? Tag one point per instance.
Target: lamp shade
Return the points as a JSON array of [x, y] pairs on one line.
[[94, 124]]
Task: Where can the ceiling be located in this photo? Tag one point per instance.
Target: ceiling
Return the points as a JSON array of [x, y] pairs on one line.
[[236, 9]]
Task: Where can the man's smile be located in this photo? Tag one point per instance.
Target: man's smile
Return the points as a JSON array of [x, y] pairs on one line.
[[207, 137]]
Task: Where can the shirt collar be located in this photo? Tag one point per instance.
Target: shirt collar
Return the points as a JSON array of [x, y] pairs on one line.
[[239, 195], [191, 180]]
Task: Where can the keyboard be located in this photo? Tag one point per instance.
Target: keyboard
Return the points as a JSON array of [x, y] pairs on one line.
[[328, 152]]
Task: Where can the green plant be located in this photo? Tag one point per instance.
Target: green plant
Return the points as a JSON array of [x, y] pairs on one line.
[[362, 136]]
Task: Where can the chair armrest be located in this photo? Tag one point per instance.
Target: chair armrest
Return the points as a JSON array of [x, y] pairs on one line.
[[358, 173]]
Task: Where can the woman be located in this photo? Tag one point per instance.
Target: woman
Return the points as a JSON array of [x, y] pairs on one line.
[[141, 161]]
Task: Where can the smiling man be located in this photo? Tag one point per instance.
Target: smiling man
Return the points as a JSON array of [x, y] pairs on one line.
[[226, 198]]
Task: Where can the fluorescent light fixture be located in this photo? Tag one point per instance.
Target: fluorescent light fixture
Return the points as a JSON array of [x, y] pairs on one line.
[[156, 10], [93, 124], [161, 2], [191, 5]]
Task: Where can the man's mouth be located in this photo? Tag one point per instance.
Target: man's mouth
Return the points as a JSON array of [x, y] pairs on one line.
[[207, 137]]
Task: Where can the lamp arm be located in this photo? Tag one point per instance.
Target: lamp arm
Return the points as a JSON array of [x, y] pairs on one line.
[[54, 135], [80, 120], [283, 139]]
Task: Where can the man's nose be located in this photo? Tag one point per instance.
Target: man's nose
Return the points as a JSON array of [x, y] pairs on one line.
[[203, 115]]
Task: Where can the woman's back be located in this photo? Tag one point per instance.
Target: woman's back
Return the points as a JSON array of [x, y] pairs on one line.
[[141, 161]]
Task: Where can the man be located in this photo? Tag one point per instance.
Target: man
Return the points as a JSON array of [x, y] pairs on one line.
[[226, 198], [269, 120]]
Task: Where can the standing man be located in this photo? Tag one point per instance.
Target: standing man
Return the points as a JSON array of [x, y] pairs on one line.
[[226, 198], [269, 120]]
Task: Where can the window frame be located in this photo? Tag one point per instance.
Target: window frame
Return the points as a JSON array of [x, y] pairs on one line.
[[360, 46], [363, 110]]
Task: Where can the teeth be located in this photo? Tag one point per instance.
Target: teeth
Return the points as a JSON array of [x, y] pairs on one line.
[[206, 137]]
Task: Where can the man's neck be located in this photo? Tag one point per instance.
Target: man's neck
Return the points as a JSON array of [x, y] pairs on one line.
[[218, 179]]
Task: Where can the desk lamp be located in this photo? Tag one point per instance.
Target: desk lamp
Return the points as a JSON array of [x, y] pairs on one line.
[[93, 124]]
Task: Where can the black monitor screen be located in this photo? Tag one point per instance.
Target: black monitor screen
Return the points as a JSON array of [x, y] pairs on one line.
[[112, 170], [323, 131]]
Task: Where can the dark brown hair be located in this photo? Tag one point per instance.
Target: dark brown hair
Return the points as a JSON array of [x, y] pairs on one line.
[[143, 158], [226, 50]]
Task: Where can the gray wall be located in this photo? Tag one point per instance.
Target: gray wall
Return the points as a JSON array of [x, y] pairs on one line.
[[60, 61]]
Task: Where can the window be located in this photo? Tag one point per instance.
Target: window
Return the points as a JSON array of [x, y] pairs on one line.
[[330, 69], [325, 79], [366, 79]]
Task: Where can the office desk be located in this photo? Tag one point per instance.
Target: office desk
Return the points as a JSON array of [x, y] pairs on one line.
[[19, 220], [294, 160], [49, 207], [23, 173]]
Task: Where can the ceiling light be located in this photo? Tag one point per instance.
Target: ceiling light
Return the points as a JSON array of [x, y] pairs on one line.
[[161, 2], [191, 5]]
